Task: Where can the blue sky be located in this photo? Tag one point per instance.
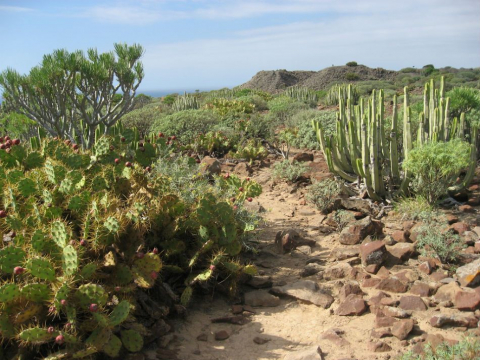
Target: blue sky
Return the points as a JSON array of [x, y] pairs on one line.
[[208, 44]]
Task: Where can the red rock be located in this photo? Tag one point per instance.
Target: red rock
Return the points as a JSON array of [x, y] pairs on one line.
[[421, 289], [371, 269], [389, 302], [381, 333], [438, 275], [425, 268], [375, 300], [469, 275], [460, 320], [352, 305], [392, 284], [408, 225], [402, 328], [407, 276], [474, 201], [222, 335], [359, 230], [303, 157], [379, 346], [334, 335], [466, 209], [401, 236], [383, 321], [459, 228], [401, 251], [467, 300], [373, 253], [447, 292], [473, 188], [396, 312], [212, 166], [383, 273], [338, 271], [452, 219], [412, 303], [371, 282], [477, 247], [349, 288]]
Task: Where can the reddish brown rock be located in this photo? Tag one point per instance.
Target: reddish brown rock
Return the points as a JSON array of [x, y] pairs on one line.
[[348, 289], [383, 321], [371, 269], [447, 292], [458, 320], [381, 333], [474, 201], [211, 166], [425, 268], [402, 328], [345, 253], [371, 282], [373, 253], [389, 302], [338, 271], [401, 251], [467, 300], [243, 169], [392, 284], [260, 340], [353, 305], [407, 276], [303, 157], [466, 209], [421, 289], [288, 240], [459, 228], [334, 335], [408, 225], [375, 300], [438, 275], [379, 346], [412, 303], [401, 236], [383, 273], [359, 230], [473, 187], [469, 275], [222, 335], [452, 219], [396, 312]]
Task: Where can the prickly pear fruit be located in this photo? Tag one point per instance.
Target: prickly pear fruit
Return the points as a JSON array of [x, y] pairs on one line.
[[140, 255], [128, 164], [63, 302], [249, 199], [83, 242], [117, 161], [155, 251], [93, 308], [18, 270], [240, 189], [60, 339], [3, 214], [154, 275], [51, 330]]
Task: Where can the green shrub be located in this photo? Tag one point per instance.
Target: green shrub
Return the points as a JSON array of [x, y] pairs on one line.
[[351, 76], [323, 193], [282, 108], [260, 126], [251, 150], [432, 241], [256, 100], [17, 125], [416, 208], [306, 137], [352, 63], [186, 125], [169, 99], [428, 70], [466, 349], [463, 99], [224, 107], [143, 118], [408, 70], [302, 94], [289, 171], [435, 166]]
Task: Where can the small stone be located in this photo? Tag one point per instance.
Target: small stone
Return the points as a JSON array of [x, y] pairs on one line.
[[401, 236], [260, 282], [338, 271], [261, 298], [334, 335], [306, 291], [469, 275], [412, 303], [452, 219], [311, 269], [383, 321], [383, 273], [303, 157], [371, 282], [467, 300], [421, 289], [345, 253], [425, 268], [447, 292], [211, 166], [459, 320], [392, 284], [222, 335], [376, 300], [352, 305], [459, 228], [379, 346], [202, 337], [401, 251], [381, 333], [348, 289], [359, 230], [402, 328], [474, 201], [396, 312], [466, 209], [260, 340], [438, 275], [237, 309], [373, 253]]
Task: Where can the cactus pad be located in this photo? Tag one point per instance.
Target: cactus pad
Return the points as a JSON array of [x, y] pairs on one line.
[[38, 241], [112, 224], [123, 275], [27, 313], [112, 348], [61, 294], [42, 269], [66, 186], [102, 147], [250, 270], [27, 187], [84, 353], [120, 313], [91, 294], [88, 270], [99, 183], [10, 257], [70, 260], [143, 268], [59, 233], [6, 326], [36, 335], [9, 292], [98, 338], [132, 340], [36, 292]]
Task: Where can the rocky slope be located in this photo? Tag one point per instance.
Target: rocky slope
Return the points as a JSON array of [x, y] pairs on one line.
[[361, 293], [276, 80]]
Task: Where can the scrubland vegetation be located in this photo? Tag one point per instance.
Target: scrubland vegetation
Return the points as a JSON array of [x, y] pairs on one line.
[[106, 198]]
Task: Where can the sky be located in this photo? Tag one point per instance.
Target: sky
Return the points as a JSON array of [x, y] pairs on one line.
[[210, 44]]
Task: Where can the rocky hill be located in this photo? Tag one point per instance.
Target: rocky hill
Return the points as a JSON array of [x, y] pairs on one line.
[[276, 80]]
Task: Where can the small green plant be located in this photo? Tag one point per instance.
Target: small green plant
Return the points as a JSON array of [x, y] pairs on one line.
[[466, 349], [284, 141], [435, 166], [351, 63], [323, 194], [289, 171], [351, 76], [225, 106], [342, 218], [434, 242], [415, 208], [252, 150]]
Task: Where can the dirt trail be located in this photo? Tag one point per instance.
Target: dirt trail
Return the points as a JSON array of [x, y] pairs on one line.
[[294, 329]]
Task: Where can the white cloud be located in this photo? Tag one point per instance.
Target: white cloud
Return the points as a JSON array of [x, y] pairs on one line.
[[14, 9]]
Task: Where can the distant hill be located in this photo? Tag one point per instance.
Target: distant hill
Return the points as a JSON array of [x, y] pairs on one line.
[[275, 81]]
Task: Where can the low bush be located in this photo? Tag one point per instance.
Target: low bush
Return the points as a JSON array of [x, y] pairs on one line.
[[351, 76], [416, 208], [144, 117], [466, 349], [323, 193], [435, 242], [435, 166], [285, 170], [351, 63], [187, 124]]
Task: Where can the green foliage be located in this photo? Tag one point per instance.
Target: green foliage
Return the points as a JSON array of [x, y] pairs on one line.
[[323, 193], [340, 91], [185, 102], [187, 124], [408, 70], [143, 118], [351, 76], [415, 208], [444, 245], [224, 107], [351, 63], [52, 95], [213, 143], [302, 94], [467, 348], [285, 170], [427, 70], [17, 125], [463, 100], [282, 108], [251, 150], [435, 167]]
